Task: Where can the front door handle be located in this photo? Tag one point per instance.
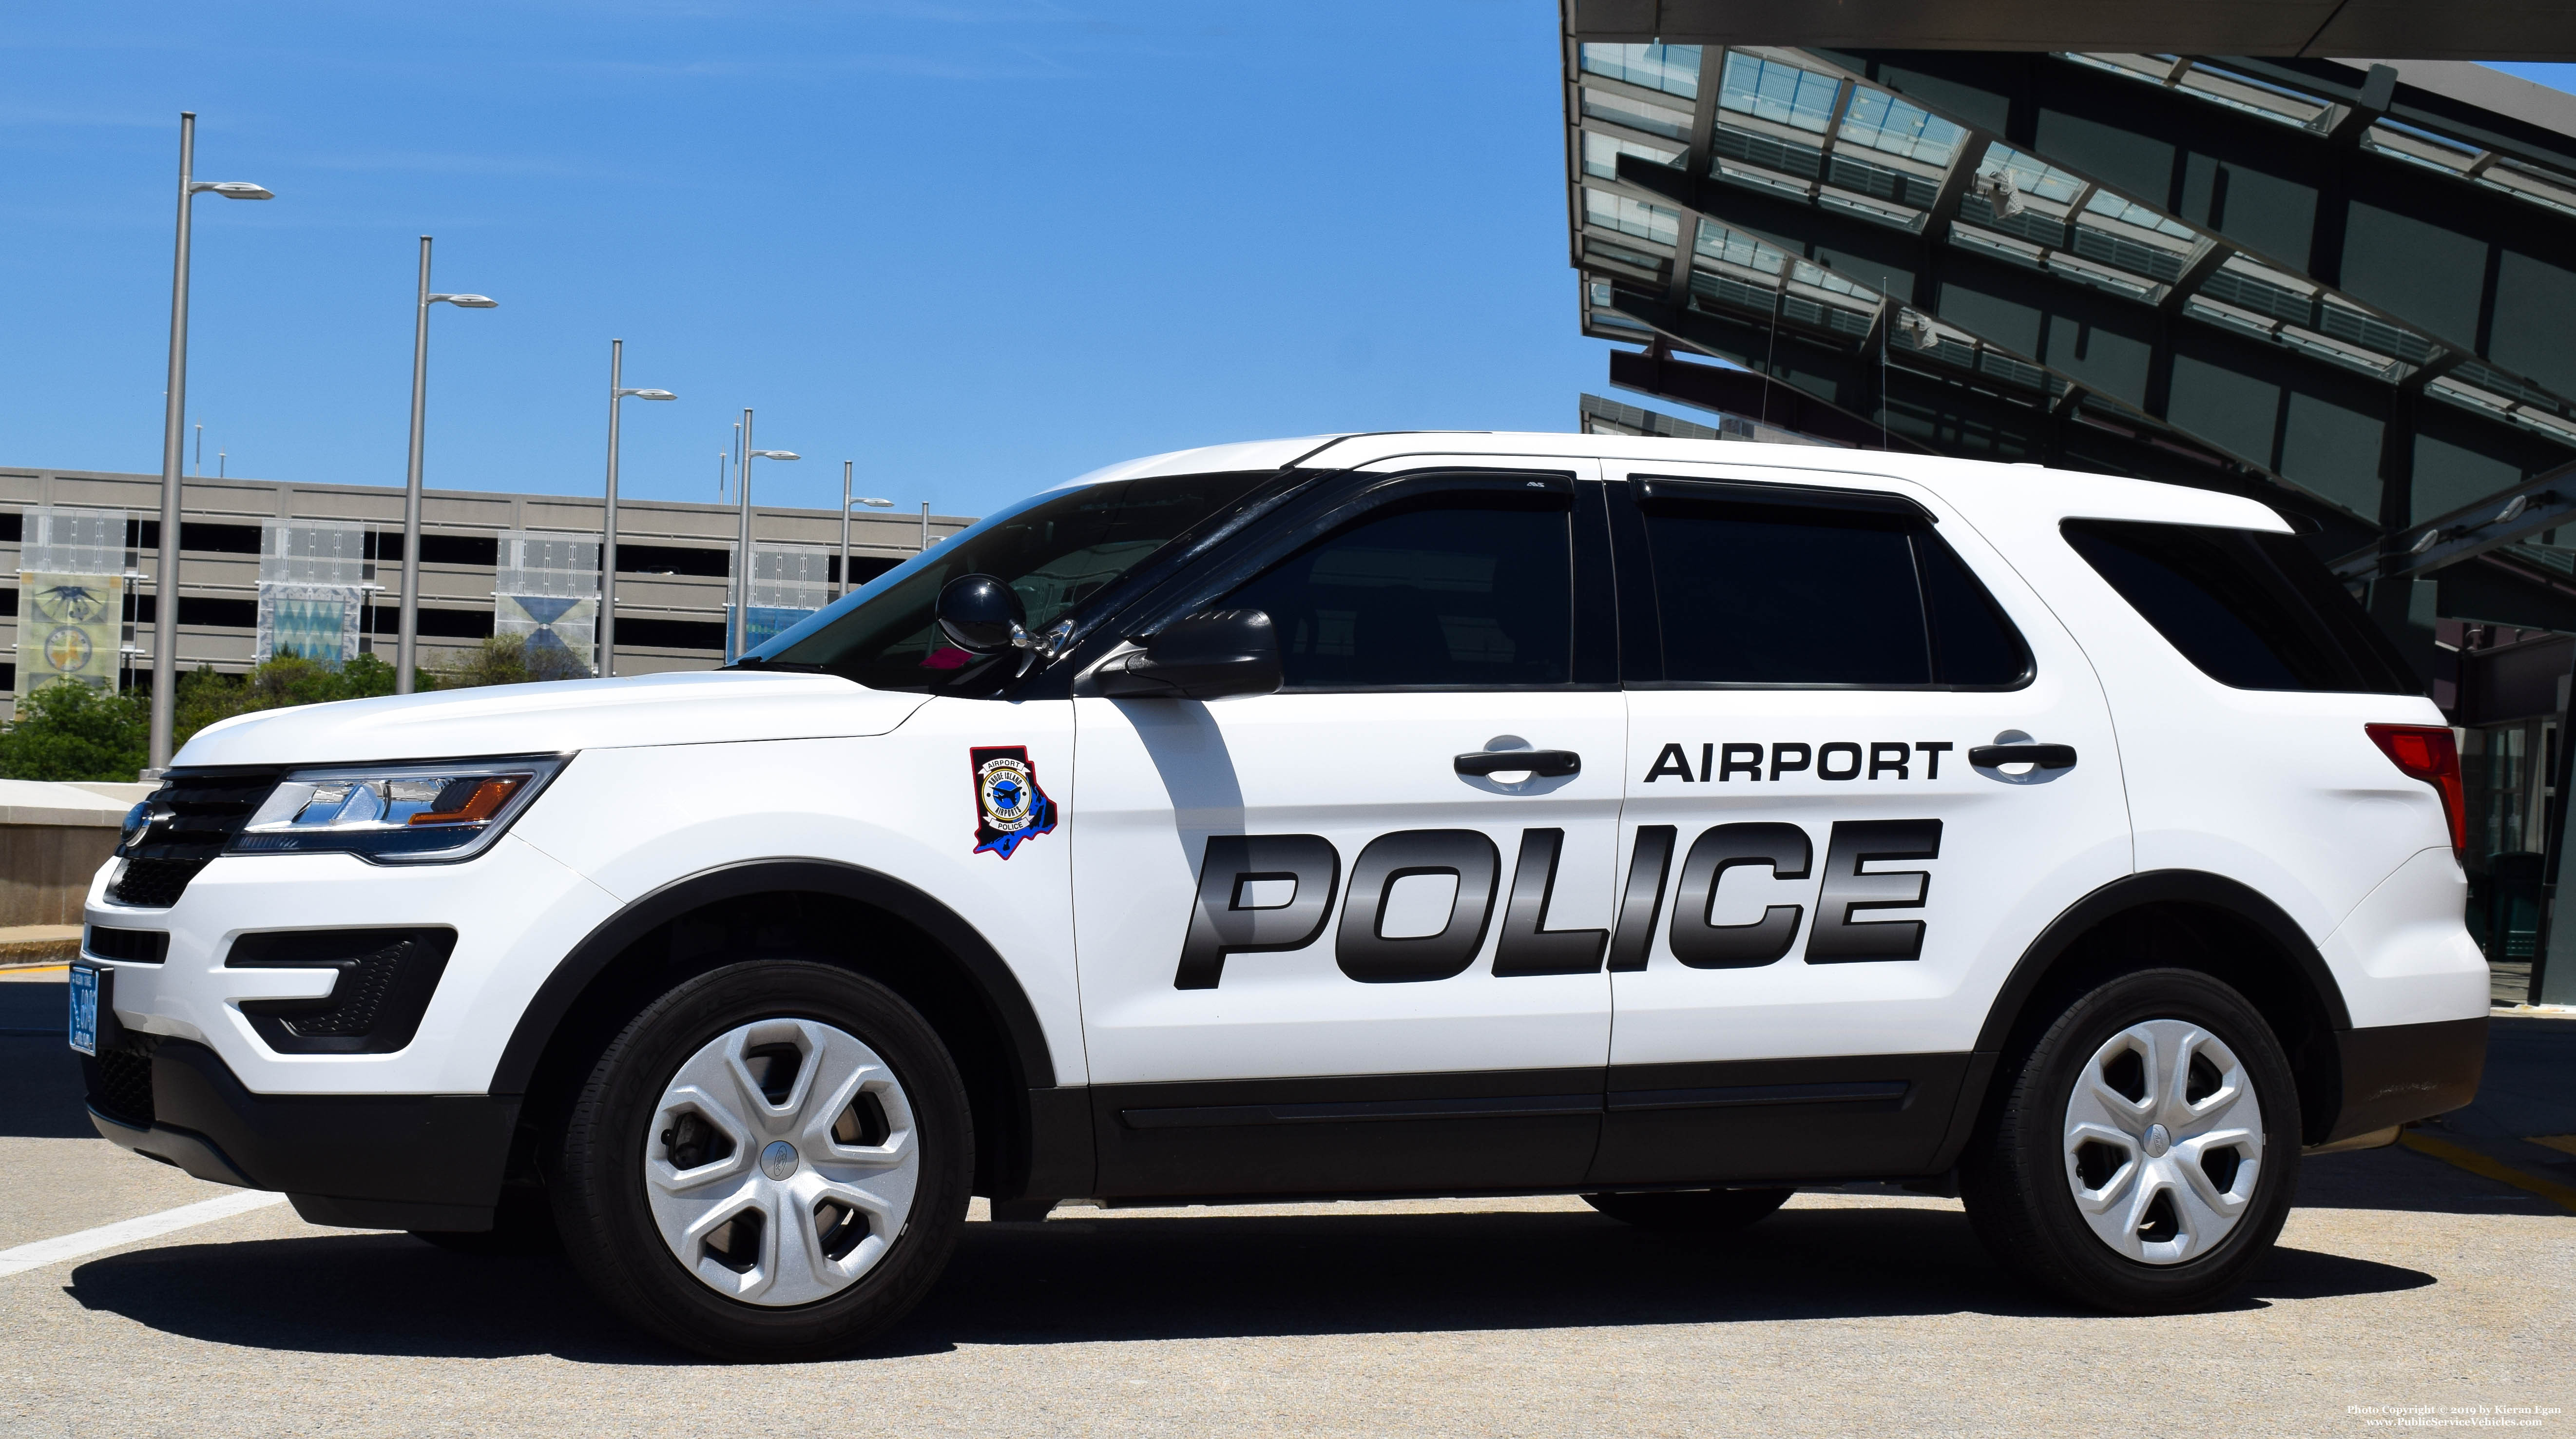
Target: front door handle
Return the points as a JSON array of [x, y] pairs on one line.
[[2044, 756], [1543, 763]]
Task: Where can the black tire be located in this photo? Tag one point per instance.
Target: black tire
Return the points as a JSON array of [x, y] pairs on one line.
[[1690, 1211], [523, 1225], [600, 1197], [2019, 1171]]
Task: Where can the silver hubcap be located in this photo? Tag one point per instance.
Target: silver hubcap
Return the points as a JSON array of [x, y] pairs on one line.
[[782, 1162], [2164, 1141]]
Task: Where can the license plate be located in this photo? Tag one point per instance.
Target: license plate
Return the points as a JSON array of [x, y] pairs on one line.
[[84, 1018]]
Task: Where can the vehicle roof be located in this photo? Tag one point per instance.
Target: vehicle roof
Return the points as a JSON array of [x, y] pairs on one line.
[[1971, 484]]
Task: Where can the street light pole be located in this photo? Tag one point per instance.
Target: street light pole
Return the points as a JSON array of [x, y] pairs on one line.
[[846, 505], [165, 602], [608, 547], [740, 619], [740, 629], [407, 646]]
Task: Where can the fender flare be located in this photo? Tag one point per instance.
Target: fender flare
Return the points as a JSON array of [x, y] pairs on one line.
[[554, 999], [2160, 886]]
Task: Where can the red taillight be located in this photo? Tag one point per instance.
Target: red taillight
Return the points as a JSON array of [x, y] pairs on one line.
[[2429, 753]]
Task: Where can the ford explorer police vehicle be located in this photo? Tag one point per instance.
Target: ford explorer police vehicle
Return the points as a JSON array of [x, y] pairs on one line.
[[1663, 822]]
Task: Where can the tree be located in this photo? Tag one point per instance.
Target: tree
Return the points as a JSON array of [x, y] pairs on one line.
[[68, 731], [281, 683], [510, 660]]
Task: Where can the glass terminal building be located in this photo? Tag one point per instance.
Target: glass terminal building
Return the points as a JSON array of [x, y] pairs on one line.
[[2347, 287]]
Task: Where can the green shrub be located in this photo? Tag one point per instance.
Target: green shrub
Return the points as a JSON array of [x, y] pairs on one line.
[[509, 660], [289, 680], [67, 731]]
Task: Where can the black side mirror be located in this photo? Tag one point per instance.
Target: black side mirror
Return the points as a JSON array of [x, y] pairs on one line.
[[981, 615], [1204, 657]]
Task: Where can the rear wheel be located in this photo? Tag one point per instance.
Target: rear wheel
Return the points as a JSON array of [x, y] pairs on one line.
[[770, 1163], [1690, 1211], [2142, 1158]]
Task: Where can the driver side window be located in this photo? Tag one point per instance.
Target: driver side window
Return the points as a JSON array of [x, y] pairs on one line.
[[1466, 591]]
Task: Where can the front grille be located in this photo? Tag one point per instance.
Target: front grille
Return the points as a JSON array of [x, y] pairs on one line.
[[120, 1082], [134, 946], [196, 815], [386, 979]]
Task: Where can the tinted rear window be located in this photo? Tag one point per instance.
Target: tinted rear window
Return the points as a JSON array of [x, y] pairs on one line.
[[1771, 593], [2253, 610]]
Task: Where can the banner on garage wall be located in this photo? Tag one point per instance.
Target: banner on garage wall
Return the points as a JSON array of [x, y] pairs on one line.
[[314, 622], [72, 565], [545, 589], [70, 627], [312, 591], [788, 582]]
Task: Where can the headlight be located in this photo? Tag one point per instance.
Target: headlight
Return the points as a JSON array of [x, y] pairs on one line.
[[395, 814]]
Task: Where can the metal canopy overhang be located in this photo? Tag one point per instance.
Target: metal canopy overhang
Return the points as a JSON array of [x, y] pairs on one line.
[[2409, 29]]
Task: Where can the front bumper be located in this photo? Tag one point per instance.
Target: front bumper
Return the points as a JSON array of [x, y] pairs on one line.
[[398, 1161], [515, 911]]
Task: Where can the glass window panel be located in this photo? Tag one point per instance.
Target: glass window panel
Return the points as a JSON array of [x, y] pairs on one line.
[[2535, 314], [1780, 93], [1673, 69], [1973, 645], [2234, 411], [2417, 271], [2448, 476], [1632, 217], [1757, 595], [1637, 114], [2250, 609], [2031, 175], [1601, 154], [2138, 163], [1883, 122], [1452, 595], [2333, 451], [1054, 551]]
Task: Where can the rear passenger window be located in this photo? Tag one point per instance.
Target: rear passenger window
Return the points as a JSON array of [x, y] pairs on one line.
[[2253, 610], [1756, 591], [1474, 591]]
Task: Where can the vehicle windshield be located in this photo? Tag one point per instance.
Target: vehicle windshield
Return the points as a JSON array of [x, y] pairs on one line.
[[1054, 550]]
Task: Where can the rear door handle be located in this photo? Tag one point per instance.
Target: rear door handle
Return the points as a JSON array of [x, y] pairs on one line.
[[1543, 763], [2045, 756]]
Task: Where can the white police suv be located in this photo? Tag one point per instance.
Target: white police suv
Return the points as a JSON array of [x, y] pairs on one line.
[[1663, 822]]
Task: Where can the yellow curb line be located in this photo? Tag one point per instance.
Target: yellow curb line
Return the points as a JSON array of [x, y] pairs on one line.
[[2469, 1159], [31, 968]]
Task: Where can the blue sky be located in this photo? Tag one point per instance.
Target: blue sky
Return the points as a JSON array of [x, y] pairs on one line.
[[977, 248]]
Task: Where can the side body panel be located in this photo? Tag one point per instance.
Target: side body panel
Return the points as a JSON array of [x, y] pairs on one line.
[[908, 805], [2281, 791]]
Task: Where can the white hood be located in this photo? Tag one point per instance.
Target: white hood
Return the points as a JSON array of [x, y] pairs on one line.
[[693, 708]]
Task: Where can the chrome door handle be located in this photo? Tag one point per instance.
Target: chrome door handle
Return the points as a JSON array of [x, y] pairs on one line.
[[1543, 763]]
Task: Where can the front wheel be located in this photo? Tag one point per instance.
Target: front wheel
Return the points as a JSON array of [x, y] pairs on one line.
[[770, 1163], [2143, 1152]]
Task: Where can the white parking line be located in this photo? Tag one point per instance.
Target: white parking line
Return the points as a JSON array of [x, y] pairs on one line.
[[150, 1226]]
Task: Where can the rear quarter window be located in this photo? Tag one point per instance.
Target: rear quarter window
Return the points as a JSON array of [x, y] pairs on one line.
[[2252, 610]]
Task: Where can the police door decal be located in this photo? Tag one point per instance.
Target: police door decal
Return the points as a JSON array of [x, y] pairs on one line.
[[1224, 920], [1009, 806]]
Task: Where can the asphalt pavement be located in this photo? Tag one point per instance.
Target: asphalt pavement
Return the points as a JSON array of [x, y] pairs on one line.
[[2406, 1287]]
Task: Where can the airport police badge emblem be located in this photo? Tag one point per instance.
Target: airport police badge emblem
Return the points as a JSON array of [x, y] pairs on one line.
[[1009, 806]]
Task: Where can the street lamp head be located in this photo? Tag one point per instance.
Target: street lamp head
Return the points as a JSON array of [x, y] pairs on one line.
[[468, 302], [875, 504], [776, 455], [234, 189], [650, 394]]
